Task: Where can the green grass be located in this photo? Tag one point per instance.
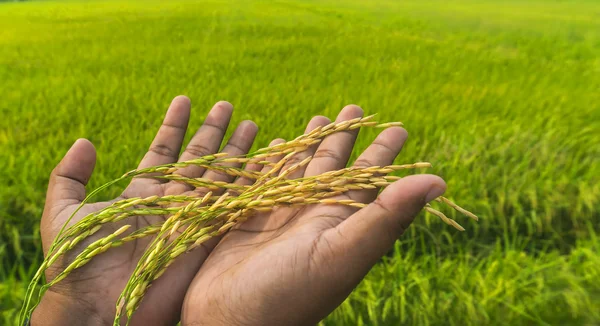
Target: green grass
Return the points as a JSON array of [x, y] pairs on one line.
[[502, 97]]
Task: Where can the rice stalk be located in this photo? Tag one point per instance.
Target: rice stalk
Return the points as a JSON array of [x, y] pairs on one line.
[[191, 220]]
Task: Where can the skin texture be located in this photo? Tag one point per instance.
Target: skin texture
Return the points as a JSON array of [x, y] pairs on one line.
[[292, 266]]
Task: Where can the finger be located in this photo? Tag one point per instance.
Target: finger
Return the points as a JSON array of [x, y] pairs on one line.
[[260, 221], [243, 181], [167, 143], [206, 141], [273, 159], [381, 152], [208, 138], [335, 150], [68, 180], [312, 124], [239, 144], [369, 233]]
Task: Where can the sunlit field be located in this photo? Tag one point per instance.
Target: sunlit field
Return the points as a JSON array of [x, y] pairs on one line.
[[503, 98]]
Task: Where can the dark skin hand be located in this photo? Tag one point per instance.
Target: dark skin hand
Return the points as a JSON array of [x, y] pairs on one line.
[[289, 267]]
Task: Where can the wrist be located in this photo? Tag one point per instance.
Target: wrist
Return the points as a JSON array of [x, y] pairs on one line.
[[58, 309]]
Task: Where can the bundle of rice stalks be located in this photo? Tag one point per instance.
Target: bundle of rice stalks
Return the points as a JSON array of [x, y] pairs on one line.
[[191, 220]]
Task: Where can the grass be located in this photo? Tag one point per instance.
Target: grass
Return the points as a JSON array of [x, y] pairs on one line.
[[502, 98]]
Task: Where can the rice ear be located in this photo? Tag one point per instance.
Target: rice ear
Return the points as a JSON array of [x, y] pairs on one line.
[[191, 220]]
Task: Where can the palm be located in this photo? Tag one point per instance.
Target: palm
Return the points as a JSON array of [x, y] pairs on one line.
[[294, 266], [270, 256], [107, 275]]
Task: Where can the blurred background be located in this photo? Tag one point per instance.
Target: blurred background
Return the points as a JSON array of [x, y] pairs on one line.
[[502, 97]]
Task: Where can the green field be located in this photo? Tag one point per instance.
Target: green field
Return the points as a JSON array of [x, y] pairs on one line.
[[503, 98]]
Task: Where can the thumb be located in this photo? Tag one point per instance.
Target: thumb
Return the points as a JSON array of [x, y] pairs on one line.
[[69, 177], [368, 234]]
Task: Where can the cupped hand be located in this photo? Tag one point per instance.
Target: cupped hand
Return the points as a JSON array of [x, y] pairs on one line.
[[88, 295], [294, 266]]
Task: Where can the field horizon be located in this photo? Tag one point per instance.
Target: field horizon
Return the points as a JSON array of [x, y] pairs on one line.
[[502, 98]]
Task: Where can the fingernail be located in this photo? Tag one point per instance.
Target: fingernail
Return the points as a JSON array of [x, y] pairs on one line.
[[434, 192]]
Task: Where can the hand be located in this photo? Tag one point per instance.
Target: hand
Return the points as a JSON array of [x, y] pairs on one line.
[[89, 294], [295, 266]]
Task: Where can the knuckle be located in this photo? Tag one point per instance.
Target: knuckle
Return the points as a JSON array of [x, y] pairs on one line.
[[162, 150], [234, 148], [393, 227], [328, 153], [364, 162], [385, 146], [198, 150], [292, 160]]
